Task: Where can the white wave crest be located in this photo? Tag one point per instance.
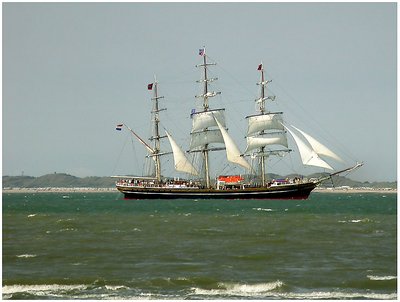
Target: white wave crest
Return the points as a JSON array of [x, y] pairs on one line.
[[252, 288], [67, 230], [338, 295], [381, 278], [115, 287], [40, 289], [262, 209], [269, 290], [31, 215], [261, 290], [65, 220], [235, 289], [355, 220], [26, 256]]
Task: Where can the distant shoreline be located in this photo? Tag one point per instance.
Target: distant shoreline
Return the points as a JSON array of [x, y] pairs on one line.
[[59, 190], [114, 190], [355, 190]]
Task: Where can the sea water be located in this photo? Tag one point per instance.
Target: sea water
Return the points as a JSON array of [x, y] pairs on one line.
[[100, 246]]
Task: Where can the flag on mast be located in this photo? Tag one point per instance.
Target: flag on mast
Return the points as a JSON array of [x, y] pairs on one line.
[[192, 112], [260, 67], [119, 127], [202, 52], [150, 86]]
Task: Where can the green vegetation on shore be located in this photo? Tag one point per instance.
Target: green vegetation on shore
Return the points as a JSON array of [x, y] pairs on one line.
[[63, 180], [57, 180]]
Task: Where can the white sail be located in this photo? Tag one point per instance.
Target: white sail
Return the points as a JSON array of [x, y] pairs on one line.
[[205, 119], [257, 142], [318, 147], [182, 164], [257, 123], [205, 137], [150, 149], [308, 156], [232, 151]]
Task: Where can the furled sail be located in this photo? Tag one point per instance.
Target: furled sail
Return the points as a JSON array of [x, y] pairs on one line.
[[308, 155], [318, 147], [182, 164], [205, 119], [278, 138], [232, 151], [270, 121]]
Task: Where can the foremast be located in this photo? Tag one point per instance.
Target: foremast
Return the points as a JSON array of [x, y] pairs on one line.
[[181, 162], [156, 137]]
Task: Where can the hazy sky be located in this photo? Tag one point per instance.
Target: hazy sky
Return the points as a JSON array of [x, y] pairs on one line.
[[72, 71]]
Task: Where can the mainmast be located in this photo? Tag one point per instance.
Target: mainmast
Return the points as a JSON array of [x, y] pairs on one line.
[[209, 127], [205, 96]]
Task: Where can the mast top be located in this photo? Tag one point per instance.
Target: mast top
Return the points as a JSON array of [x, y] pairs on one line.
[[263, 83], [206, 93]]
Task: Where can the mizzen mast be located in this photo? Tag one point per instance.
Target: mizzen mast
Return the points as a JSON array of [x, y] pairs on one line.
[[265, 128], [261, 102]]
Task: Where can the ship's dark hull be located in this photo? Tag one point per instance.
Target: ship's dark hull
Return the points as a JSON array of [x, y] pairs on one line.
[[292, 191]]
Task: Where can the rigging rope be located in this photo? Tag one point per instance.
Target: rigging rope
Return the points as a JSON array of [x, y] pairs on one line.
[[311, 117], [122, 150]]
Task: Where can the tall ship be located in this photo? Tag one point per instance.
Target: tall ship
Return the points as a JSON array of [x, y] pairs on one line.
[[266, 137]]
